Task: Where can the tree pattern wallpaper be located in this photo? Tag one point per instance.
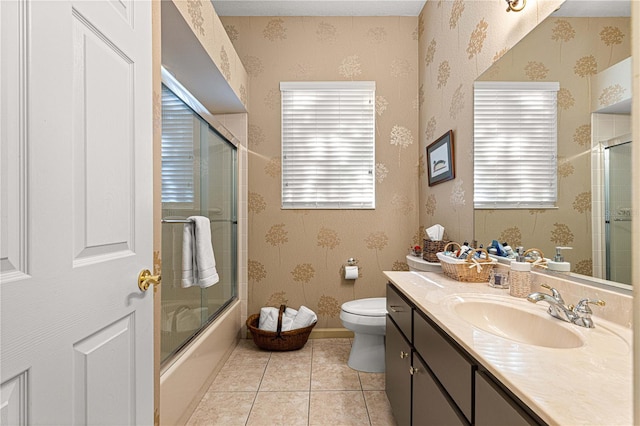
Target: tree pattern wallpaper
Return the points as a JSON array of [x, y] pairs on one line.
[[570, 51], [424, 68], [297, 257], [458, 41]]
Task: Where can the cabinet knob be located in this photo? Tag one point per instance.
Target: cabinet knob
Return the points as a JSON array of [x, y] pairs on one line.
[[413, 370], [403, 354], [395, 308]]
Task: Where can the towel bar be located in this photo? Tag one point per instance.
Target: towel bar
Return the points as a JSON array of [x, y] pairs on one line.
[[190, 221], [176, 221]]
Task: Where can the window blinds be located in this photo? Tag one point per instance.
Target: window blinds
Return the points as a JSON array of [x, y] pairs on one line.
[[177, 150], [515, 144], [328, 145]]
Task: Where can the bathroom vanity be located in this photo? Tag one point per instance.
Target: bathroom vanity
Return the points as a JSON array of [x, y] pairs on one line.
[[468, 354]]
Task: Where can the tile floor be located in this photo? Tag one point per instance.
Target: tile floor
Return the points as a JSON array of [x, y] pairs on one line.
[[311, 386]]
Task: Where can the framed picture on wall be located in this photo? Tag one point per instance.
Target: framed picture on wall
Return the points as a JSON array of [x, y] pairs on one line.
[[440, 159]]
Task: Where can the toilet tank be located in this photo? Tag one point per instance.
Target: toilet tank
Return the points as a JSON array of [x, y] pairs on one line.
[[419, 264]]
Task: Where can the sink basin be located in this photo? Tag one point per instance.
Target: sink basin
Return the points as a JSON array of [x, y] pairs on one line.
[[517, 323]]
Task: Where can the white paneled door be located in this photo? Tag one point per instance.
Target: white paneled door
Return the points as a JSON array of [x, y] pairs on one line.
[[76, 178]]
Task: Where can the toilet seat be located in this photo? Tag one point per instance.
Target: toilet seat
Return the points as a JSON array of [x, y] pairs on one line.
[[371, 307]]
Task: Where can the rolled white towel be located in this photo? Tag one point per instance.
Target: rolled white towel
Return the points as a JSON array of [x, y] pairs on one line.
[[305, 318], [268, 319], [287, 318]]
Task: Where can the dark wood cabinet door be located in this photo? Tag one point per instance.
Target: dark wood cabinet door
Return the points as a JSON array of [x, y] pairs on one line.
[[397, 374]]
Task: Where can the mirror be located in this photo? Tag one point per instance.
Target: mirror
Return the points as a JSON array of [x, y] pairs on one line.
[[569, 49]]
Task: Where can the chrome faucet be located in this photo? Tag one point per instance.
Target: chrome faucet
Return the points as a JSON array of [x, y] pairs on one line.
[[578, 315], [557, 307]]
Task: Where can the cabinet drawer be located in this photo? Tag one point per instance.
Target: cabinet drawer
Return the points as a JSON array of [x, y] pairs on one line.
[[452, 369], [400, 311]]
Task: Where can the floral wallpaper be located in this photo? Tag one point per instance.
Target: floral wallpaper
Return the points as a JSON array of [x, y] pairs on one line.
[[297, 256], [570, 51], [207, 27], [458, 41]]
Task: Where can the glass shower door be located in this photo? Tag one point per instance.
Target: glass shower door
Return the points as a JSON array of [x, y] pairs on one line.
[[218, 195], [199, 178], [617, 160]]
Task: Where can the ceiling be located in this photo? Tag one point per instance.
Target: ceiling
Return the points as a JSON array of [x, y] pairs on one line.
[[577, 8], [594, 8], [318, 7]]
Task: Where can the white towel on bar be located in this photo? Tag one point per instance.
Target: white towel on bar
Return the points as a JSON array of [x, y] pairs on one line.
[[175, 278], [198, 260]]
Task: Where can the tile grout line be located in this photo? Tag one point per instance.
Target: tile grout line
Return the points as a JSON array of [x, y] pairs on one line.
[[366, 406], [255, 397], [313, 349]]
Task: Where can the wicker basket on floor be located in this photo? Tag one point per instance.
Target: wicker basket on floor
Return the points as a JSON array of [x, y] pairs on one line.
[[278, 340], [472, 269]]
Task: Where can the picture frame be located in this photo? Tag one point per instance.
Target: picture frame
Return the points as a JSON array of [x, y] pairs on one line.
[[440, 159]]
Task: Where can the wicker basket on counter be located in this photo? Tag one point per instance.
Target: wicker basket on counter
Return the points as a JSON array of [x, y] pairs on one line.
[[278, 340], [472, 269], [431, 248]]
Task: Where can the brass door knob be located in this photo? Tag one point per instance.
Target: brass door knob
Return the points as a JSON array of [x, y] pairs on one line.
[[145, 280]]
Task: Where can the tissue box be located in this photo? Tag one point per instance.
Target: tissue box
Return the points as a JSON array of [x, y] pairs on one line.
[[430, 248]]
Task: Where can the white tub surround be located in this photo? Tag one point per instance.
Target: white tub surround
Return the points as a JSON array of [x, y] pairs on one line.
[[586, 385], [184, 382]]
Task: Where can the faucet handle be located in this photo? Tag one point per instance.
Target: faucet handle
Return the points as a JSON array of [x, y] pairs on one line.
[[583, 305], [554, 292], [583, 312]]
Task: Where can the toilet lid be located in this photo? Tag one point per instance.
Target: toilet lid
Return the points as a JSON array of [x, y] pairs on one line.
[[372, 307]]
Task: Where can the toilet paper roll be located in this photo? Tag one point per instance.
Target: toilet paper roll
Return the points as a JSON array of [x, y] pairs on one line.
[[350, 272]]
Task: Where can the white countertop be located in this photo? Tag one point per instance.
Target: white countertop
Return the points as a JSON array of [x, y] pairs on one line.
[[588, 385]]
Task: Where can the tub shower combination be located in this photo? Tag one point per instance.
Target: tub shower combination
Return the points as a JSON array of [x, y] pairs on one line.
[[199, 178]]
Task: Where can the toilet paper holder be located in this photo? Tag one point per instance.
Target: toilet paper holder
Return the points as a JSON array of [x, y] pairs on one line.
[[350, 270]]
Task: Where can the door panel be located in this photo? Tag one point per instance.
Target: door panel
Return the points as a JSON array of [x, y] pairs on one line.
[[103, 363], [102, 144], [13, 116], [13, 402], [77, 192]]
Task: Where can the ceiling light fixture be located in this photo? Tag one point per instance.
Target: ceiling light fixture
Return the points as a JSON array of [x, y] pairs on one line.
[[515, 5]]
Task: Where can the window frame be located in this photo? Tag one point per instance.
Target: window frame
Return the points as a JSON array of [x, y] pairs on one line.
[[515, 145], [341, 143]]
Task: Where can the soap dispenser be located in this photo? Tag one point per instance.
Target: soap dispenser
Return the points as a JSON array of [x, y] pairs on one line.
[[558, 264], [520, 275]]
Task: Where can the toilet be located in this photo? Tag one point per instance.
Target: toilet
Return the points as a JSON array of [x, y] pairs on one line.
[[367, 319], [419, 264]]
